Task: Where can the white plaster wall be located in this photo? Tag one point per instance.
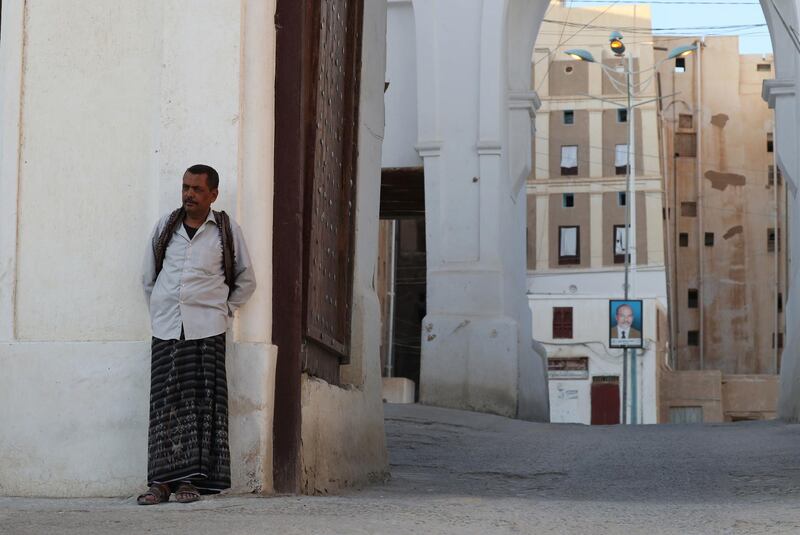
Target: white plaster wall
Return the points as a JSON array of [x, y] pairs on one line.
[[342, 431], [782, 96], [401, 96], [474, 123], [85, 182], [112, 111], [590, 339], [601, 282]]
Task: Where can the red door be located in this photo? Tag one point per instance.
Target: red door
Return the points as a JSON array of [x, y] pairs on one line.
[[605, 401]]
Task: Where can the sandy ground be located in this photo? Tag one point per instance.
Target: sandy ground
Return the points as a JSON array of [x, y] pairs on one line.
[[460, 472]]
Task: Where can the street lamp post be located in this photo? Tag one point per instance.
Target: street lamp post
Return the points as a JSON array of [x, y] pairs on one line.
[[618, 48]]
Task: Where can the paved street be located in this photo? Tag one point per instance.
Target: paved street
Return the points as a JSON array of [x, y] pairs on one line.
[[459, 472]]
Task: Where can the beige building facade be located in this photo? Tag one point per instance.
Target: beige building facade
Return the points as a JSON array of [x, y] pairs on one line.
[[725, 231], [577, 196]]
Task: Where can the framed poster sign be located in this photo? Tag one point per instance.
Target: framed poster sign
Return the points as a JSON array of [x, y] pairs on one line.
[[625, 324]]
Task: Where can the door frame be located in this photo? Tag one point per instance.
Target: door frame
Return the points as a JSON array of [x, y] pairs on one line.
[[292, 75]]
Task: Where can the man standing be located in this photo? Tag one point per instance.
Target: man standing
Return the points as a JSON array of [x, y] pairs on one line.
[[196, 274]]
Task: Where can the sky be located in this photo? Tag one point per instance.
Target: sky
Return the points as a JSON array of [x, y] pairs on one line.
[[707, 18]]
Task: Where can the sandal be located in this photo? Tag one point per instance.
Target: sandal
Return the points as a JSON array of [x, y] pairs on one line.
[[158, 493], [187, 493]]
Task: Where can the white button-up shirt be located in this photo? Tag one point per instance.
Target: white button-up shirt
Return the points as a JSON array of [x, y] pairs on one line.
[[190, 289]]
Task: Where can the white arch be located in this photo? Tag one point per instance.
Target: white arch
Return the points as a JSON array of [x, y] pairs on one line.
[[481, 130], [781, 94]]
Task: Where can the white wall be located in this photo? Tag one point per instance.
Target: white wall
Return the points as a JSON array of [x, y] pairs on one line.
[[570, 400], [400, 137], [782, 96], [112, 111]]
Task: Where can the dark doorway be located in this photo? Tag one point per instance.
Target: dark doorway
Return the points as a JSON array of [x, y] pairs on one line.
[[605, 400], [404, 288], [316, 115]]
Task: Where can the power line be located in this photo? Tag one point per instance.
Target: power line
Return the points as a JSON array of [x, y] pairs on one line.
[[636, 29]]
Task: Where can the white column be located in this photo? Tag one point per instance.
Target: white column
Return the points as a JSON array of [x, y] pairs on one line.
[[542, 158], [596, 230], [782, 96], [473, 137], [596, 141], [542, 231]]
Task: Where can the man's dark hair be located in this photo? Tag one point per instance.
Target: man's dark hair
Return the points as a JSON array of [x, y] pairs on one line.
[[212, 177]]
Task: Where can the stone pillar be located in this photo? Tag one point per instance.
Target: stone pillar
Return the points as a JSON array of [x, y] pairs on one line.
[[781, 94], [475, 122]]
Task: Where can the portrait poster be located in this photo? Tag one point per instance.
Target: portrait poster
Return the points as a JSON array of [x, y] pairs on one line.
[[625, 324]]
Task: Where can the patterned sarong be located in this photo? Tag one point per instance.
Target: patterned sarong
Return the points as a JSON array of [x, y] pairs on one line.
[[188, 438]]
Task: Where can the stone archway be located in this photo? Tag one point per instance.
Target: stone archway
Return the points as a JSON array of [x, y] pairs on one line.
[[475, 108], [781, 94]]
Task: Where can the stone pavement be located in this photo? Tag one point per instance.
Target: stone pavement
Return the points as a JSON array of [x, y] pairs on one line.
[[460, 472]]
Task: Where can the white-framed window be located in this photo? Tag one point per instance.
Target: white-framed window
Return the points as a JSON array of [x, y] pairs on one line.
[[569, 245], [621, 158], [620, 237], [569, 159]]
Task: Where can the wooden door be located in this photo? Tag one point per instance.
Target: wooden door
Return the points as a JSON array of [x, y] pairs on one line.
[[605, 401], [331, 186], [316, 117]]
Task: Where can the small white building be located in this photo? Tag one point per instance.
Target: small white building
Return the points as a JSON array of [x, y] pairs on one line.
[[585, 375]]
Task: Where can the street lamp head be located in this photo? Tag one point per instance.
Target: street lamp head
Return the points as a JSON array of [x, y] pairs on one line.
[[681, 51], [580, 55], [615, 42]]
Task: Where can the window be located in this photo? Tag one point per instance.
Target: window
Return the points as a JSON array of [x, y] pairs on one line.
[[568, 200], [569, 117], [780, 340], [622, 116], [779, 175], [770, 175], [685, 145], [780, 303], [709, 239], [763, 67], [622, 198], [569, 245], [680, 64], [769, 143], [569, 160], [689, 209], [683, 239], [619, 244], [692, 298], [562, 322], [771, 240], [693, 338], [621, 159], [685, 120]]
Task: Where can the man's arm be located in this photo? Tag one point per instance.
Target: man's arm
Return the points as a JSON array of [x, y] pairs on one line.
[[245, 278], [149, 266]]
